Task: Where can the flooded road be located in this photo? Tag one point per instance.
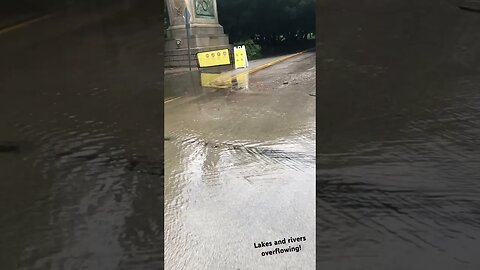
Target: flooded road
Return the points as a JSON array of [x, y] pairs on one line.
[[239, 170], [398, 159], [80, 141]]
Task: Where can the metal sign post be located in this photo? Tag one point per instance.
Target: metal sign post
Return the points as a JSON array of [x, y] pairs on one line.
[[186, 16]]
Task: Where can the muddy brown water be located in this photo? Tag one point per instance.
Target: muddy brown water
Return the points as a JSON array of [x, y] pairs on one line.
[[80, 142], [240, 170], [398, 161]]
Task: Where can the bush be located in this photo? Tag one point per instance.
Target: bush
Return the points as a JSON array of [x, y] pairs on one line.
[[253, 49]]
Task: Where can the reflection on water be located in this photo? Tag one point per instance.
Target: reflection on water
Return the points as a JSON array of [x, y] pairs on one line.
[[80, 159], [239, 169], [399, 157], [204, 81], [217, 201], [416, 192], [224, 80]]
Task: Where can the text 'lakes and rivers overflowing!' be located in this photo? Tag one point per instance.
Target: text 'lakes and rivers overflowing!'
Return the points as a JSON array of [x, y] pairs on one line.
[[280, 250]]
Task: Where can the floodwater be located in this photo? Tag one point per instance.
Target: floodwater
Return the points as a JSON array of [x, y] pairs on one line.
[[80, 141], [398, 159], [240, 170]]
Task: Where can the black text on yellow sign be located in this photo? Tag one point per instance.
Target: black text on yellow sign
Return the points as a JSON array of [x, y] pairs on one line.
[[213, 58], [241, 60]]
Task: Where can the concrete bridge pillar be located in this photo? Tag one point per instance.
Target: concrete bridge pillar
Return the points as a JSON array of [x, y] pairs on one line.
[[205, 32]]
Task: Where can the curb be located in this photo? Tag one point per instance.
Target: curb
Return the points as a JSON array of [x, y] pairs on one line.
[[264, 66], [24, 23]]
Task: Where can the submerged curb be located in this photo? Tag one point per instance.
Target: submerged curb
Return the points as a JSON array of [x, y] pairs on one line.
[[225, 80], [264, 66]]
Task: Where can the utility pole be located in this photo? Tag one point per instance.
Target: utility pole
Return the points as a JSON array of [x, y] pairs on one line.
[[186, 16]]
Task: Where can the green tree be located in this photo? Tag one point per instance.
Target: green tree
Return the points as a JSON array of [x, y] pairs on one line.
[[268, 22]]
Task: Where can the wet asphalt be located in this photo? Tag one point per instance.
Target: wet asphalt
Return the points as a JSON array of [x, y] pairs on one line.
[[398, 125], [80, 140], [398, 156], [240, 170]]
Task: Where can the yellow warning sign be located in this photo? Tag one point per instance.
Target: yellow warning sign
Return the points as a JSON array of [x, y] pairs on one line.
[[240, 55], [213, 58]]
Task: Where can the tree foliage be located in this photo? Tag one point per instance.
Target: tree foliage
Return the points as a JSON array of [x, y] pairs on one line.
[[268, 22], [253, 50]]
